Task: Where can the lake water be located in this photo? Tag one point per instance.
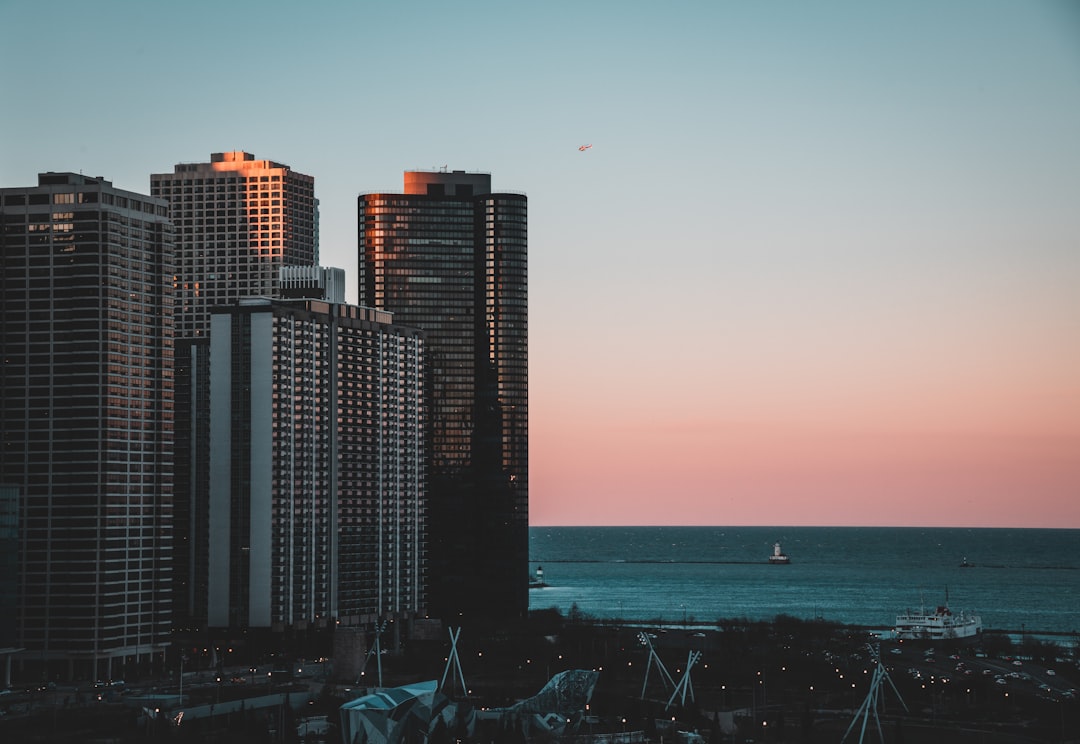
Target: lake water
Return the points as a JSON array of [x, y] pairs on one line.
[[1019, 580]]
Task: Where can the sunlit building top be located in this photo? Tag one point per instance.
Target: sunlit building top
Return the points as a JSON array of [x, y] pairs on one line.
[[238, 221]]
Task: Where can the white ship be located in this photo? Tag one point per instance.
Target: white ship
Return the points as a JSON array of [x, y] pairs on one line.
[[778, 555], [940, 625]]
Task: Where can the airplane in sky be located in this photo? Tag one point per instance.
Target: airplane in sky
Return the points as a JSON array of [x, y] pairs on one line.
[[583, 148]]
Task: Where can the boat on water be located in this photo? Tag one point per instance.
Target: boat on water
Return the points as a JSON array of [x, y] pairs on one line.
[[941, 624], [778, 557]]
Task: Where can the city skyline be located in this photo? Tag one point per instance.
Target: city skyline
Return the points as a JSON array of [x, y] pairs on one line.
[[819, 265]]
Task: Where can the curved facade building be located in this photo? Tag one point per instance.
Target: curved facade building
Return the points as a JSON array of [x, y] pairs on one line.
[[450, 257]]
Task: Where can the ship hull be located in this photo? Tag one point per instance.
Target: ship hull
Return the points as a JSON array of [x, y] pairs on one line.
[[941, 625]]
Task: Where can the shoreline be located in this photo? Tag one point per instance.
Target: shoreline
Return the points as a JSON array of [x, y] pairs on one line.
[[1015, 635]]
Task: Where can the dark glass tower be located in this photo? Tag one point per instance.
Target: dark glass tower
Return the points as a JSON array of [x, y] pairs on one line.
[[450, 257], [86, 420]]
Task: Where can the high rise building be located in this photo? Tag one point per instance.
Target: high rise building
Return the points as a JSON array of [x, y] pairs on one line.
[[317, 498], [86, 420], [449, 256], [239, 221]]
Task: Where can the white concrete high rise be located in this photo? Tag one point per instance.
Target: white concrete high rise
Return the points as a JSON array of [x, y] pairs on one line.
[[317, 504]]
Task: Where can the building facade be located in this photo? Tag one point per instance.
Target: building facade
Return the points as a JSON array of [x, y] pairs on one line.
[[9, 577], [313, 283], [239, 221], [317, 505], [449, 256], [86, 420]]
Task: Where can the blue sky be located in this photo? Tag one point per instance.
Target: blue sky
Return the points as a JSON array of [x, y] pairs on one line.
[[844, 225]]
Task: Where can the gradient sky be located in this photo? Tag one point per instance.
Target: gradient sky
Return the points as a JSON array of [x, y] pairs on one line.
[[821, 265]]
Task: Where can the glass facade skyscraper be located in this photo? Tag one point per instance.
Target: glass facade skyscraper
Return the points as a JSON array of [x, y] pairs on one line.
[[449, 256]]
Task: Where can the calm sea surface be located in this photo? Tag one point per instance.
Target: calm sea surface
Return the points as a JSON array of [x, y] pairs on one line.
[[1020, 579]]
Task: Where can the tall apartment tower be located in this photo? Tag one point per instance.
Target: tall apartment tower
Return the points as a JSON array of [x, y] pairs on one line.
[[86, 421], [317, 497], [449, 256], [238, 222]]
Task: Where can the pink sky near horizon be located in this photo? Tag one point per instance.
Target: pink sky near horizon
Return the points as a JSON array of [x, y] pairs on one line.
[[966, 419], [722, 475]]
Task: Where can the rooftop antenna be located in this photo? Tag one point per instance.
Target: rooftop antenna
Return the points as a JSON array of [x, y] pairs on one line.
[[643, 637], [454, 661], [685, 685], [376, 649], [873, 699]]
